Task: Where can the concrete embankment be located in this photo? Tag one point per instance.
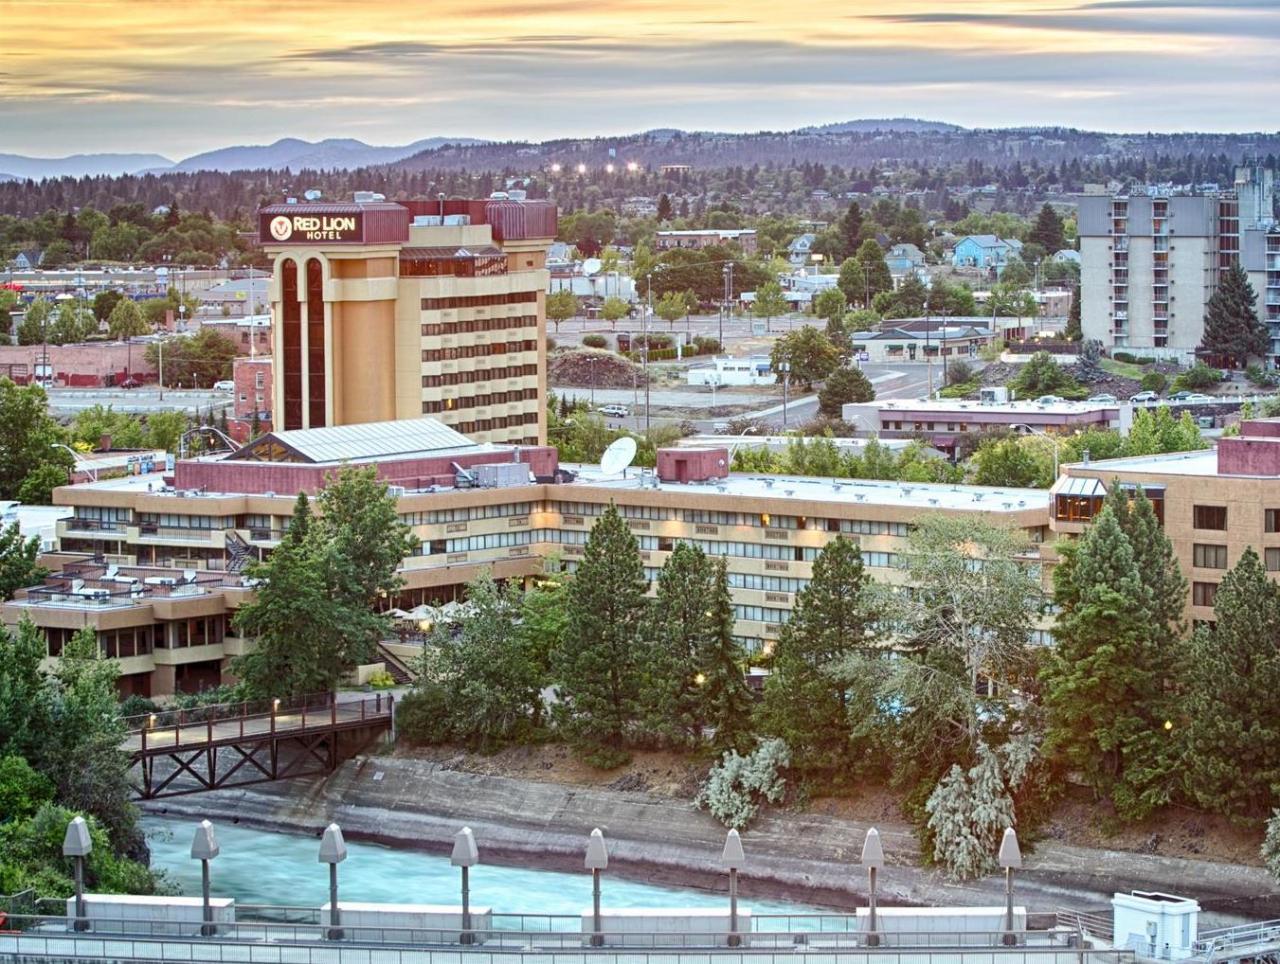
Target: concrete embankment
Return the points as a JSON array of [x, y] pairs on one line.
[[805, 857]]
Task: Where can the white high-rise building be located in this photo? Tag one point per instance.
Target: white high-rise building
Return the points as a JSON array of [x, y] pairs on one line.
[[1150, 261]]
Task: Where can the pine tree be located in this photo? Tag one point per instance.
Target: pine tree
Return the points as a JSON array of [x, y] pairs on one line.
[[679, 621], [1104, 681], [1231, 325], [1154, 558], [1047, 230], [1074, 330], [726, 700], [803, 703], [664, 208], [1231, 712], [850, 229], [598, 662]]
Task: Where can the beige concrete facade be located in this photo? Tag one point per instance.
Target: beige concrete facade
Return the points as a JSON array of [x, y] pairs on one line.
[[448, 322], [769, 534]]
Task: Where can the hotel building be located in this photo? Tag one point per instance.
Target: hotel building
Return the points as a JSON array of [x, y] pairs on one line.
[[152, 562], [1212, 503], [385, 311]]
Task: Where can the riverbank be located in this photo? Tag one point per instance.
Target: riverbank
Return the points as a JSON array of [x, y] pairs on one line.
[[806, 857]]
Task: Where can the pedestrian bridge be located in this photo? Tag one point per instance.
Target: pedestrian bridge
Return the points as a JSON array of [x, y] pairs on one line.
[[181, 751]]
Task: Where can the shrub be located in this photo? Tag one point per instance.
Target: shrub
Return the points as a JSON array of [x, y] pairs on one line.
[[1198, 376], [421, 715], [958, 372], [551, 343], [594, 341], [135, 705], [382, 680], [1042, 375], [1257, 375], [22, 790], [1154, 382], [737, 785], [1271, 845], [961, 389], [707, 345]]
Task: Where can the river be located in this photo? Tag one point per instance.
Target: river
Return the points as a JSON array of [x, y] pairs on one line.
[[265, 867]]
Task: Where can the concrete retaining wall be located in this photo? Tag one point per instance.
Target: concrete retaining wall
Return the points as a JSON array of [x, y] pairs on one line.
[[166, 915], [670, 927], [428, 923]]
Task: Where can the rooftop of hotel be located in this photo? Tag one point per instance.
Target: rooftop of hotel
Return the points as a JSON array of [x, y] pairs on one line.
[[1201, 462], [921, 495], [362, 442]]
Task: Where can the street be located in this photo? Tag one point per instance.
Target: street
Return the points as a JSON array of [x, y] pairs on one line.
[[136, 401]]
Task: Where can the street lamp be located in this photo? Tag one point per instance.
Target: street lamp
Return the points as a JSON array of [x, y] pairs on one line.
[[204, 847], [785, 368], [733, 859], [713, 380], [873, 860], [465, 856], [77, 845], [1053, 441], [333, 851], [1011, 860], [597, 860]]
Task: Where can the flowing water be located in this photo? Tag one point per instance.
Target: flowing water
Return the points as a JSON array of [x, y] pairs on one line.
[[267, 867]]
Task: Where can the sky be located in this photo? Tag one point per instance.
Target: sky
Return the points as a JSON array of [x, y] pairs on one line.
[[176, 77]]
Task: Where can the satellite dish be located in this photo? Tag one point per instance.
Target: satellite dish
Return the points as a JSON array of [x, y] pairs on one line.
[[618, 456], [313, 195], [592, 266]]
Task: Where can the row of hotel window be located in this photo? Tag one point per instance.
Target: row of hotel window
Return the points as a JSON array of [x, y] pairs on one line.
[[866, 527], [479, 375], [481, 301], [143, 640], [1205, 556], [468, 326], [478, 351], [1069, 508], [479, 401]]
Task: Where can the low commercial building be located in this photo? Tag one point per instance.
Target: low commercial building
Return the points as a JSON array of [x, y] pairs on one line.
[[153, 562], [920, 340], [726, 372], [945, 421], [745, 238], [1212, 503], [85, 365]]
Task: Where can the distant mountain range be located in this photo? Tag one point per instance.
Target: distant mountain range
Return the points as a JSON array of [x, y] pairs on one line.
[[18, 166], [290, 152], [888, 124]]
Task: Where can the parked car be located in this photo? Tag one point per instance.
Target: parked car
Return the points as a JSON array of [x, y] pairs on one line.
[[1143, 397], [1198, 397], [614, 411], [1049, 399], [227, 385], [1103, 399], [131, 382], [1180, 396]]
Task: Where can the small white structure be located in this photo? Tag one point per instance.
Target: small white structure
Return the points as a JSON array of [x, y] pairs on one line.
[[121, 913], [1155, 925], [725, 372], [411, 923], [668, 927], [908, 926]]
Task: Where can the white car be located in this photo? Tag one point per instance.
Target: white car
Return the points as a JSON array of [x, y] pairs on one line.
[[614, 411], [1198, 397], [1147, 396], [224, 386]]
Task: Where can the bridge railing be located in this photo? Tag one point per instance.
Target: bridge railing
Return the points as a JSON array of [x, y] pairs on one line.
[[760, 936], [302, 715], [216, 712]]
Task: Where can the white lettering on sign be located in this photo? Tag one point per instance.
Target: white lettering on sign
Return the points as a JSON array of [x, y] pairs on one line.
[[302, 227]]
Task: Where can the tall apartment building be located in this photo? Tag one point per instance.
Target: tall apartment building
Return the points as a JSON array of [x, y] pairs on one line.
[[387, 311], [1150, 262], [150, 562]]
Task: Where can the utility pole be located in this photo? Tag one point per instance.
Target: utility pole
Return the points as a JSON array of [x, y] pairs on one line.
[[648, 311]]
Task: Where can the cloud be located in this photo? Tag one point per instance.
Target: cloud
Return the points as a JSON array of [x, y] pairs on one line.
[[1100, 21]]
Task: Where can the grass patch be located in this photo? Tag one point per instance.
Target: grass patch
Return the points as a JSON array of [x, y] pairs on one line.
[[961, 389], [1123, 369]]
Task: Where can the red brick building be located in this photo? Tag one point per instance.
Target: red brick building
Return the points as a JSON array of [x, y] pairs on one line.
[[252, 394]]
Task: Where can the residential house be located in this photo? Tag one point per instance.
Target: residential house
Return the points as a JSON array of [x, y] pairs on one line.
[[799, 250], [28, 260], [985, 251]]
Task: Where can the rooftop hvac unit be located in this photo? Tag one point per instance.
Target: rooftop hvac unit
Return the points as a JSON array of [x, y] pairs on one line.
[[396, 491], [457, 220], [368, 197], [501, 474], [427, 220]]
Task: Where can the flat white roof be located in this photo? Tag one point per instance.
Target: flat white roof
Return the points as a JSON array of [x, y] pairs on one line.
[[1029, 407], [925, 496], [1200, 462]]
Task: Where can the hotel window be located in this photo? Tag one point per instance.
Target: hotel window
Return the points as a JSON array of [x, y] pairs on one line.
[[1272, 558], [1209, 557], [1271, 520], [1209, 517], [1202, 593]]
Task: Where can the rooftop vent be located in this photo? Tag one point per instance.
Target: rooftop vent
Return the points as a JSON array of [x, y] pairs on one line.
[[368, 197], [933, 501]]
